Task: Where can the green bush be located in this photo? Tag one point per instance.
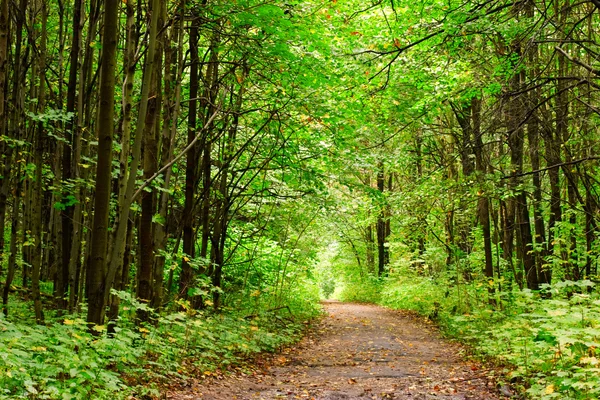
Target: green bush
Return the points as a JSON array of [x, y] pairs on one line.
[[547, 340], [64, 361], [362, 291], [551, 344]]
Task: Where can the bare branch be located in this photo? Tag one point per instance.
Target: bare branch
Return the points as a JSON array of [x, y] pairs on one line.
[[551, 167], [577, 61], [174, 160]]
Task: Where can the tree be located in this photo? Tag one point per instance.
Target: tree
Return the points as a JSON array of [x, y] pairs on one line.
[[97, 284]]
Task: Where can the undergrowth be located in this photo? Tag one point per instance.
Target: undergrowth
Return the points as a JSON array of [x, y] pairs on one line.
[[548, 341], [61, 360]]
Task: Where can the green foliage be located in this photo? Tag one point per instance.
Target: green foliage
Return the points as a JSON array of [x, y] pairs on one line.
[[411, 293], [547, 341], [64, 361], [327, 287], [367, 291], [550, 343]]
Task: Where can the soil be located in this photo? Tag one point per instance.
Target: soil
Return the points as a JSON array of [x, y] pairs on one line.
[[359, 352]]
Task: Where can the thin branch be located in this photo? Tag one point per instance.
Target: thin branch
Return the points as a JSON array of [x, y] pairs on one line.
[[552, 167], [364, 10], [591, 107], [174, 160], [577, 61]]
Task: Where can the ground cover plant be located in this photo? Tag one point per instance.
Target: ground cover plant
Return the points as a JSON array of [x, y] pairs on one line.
[[65, 361], [544, 343]]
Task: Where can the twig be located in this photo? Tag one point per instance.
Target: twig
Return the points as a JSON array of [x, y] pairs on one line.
[[252, 316], [577, 60], [551, 167], [173, 161]]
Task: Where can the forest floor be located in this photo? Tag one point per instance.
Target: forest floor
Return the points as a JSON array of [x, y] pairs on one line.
[[358, 351]]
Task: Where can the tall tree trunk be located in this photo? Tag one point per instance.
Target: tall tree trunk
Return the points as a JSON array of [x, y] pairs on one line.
[[14, 131], [174, 71], [515, 144], [382, 229], [88, 101], [64, 272], [96, 286], [208, 107], [36, 227], [125, 201], [553, 145], [533, 137], [518, 203], [483, 202], [5, 153], [67, 214], [462, 222], [130, 62], [146, 234], [189, 238]]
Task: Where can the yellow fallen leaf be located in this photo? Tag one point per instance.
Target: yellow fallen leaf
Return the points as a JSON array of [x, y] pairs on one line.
[[550, 389]]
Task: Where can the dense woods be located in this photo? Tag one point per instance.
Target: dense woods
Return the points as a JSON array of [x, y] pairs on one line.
[[180, 179], [178, 92]]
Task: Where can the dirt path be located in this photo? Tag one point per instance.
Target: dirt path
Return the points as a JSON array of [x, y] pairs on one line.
[[359, 352]]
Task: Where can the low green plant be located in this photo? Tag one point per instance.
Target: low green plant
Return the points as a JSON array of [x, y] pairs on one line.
[[548, 341], [64, 361], [367, 290]]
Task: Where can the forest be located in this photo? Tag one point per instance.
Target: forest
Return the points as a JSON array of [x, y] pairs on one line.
[[181, 182]]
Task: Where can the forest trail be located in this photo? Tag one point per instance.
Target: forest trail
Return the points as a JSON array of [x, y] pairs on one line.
[[359, 352]]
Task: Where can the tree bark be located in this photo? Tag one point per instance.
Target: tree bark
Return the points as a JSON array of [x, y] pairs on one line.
[[36, 227], [146, 234], [382, 227], [187, 274], [97, 283], [125, 201], [518, 203], [483, 202], [5, 151], [174, 71]]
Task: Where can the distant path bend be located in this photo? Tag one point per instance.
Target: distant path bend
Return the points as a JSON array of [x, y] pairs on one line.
[[360, 352]]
